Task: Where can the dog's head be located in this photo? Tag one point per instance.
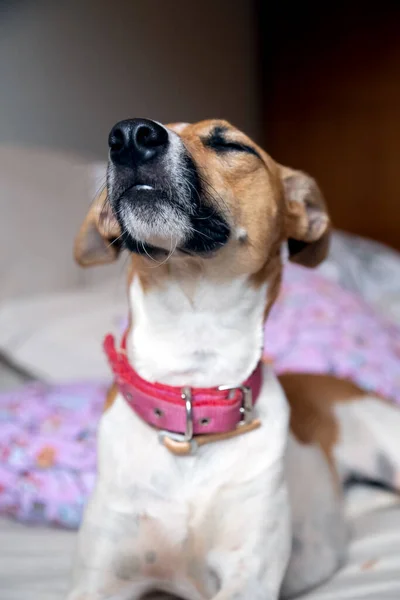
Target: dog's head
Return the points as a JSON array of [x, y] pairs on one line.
[[202, 190]]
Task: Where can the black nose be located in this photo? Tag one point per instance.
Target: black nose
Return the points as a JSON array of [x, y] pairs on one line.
[[135, 141]]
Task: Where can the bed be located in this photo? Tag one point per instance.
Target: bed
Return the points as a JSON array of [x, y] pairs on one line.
[[40, 320], [35, 562]]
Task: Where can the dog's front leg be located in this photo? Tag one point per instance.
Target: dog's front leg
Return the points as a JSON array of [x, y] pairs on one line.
[[249, 579], [107, 555], [249, 589], [253, 577], [251, 553]]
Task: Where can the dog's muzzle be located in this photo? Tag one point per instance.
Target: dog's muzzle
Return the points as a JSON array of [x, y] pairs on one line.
[[157, 194]]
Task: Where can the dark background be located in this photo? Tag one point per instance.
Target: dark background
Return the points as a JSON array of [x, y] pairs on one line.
[[331, 104]]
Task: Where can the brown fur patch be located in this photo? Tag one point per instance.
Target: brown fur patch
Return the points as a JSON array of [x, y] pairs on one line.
[[311, 399], [111, 395]]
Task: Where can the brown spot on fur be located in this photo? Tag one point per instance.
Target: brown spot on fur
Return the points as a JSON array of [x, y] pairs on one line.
[[311, 399], [111, 395]]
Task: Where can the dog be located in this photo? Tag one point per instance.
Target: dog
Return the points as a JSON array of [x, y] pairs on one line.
[[215, 480]]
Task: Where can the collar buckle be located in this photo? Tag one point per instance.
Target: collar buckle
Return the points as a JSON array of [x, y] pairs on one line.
[[186, 439], [185, 444], [186, 395], [246, 408]]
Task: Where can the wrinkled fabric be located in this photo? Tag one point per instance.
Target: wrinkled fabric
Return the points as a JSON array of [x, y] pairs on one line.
[[48, 451]]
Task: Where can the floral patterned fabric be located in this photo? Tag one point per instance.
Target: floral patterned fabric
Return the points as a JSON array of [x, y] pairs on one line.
[[47, 432], [318, 327], [48, 451]]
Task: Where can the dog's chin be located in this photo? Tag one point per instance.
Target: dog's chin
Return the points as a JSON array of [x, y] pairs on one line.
[[158, 226], [150, 226]]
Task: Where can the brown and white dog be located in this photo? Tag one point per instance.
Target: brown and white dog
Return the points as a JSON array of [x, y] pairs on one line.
[[205, 214]]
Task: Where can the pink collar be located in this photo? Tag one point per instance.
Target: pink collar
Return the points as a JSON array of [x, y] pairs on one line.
[[184, 411]]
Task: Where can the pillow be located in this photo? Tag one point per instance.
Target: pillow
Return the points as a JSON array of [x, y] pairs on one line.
[[43, 195], [58, 337]]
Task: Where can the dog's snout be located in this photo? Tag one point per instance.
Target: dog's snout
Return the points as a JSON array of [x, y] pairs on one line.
[[135, 141]]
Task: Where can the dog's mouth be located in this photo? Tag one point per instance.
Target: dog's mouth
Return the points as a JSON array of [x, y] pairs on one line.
[[142, 187], [160, 200]]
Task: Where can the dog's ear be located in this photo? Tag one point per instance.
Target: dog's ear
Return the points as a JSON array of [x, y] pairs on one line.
[[96, 242], [307, 222]]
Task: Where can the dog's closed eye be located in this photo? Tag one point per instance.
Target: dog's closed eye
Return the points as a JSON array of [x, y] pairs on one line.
[[218, 142]]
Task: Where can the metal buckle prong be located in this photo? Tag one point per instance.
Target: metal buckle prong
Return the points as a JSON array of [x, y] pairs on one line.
[[247, 401], [186, 395]]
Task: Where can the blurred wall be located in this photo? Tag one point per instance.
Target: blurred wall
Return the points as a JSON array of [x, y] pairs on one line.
[[70, 68]]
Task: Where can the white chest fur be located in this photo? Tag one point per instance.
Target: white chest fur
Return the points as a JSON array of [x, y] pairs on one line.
[[215, 524], [188, 524], [209, 336]]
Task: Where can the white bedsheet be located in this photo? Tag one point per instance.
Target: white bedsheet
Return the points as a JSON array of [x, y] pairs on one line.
[[35, 563]]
